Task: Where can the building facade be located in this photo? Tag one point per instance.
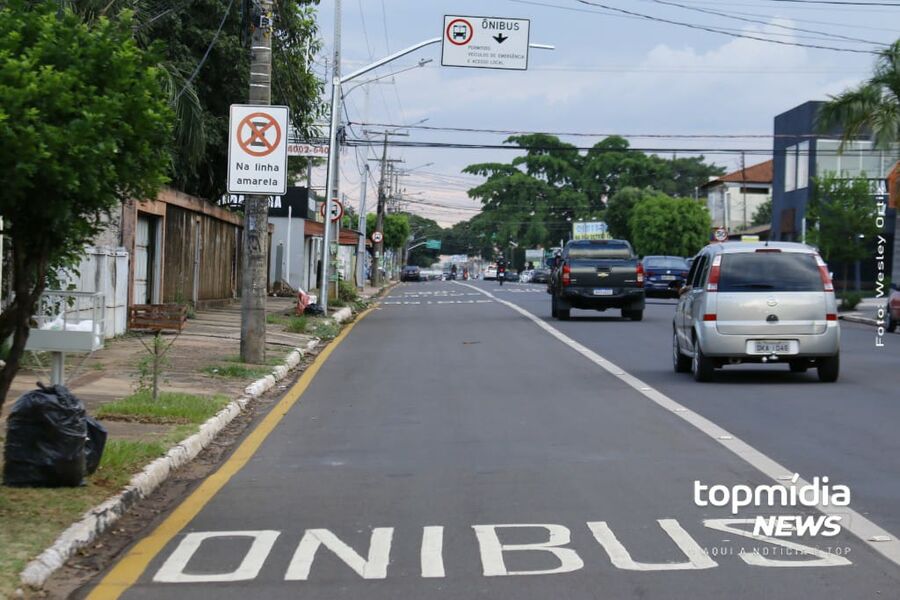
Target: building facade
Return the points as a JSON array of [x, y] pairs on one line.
[[733, 199], [801, 153]]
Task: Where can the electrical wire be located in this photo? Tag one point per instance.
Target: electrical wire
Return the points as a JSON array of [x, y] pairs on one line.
[[721, 31], [699, 136], [768, 23], [206, 54]]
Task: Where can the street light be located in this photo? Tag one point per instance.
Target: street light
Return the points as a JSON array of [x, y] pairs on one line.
[[336, 96], [336, 83]]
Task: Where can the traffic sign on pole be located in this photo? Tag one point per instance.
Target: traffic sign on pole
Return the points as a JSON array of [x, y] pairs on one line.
[[257, 150], [485, 42], [377, 237], [337, 210], [721, 234]]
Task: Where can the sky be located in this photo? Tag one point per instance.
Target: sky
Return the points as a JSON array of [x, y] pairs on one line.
[[610, 73]]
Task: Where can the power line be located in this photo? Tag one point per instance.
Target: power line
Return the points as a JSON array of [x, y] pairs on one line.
[[840, 2], [722, 31], [206, 54], [768, 23], [594, 149], [762, 136]]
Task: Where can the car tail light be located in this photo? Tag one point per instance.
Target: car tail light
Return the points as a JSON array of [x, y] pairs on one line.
[[768, 250], [831, 317], [709, 317], [566, 275], [712, 284], [640, 274], [823, 272]]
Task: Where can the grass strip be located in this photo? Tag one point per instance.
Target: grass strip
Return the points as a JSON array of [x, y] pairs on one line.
[[171, 407], [32, 518]]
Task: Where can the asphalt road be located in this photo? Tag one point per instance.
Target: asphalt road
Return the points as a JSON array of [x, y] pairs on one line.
[[452, 448]]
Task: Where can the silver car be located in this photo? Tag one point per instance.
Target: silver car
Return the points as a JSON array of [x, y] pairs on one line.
[[757, 302]]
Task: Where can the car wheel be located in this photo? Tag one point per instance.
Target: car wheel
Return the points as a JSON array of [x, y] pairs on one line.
[[563, 311], [701, 366], [829, 368], [799, 366], [680, 362], [891, 325], [634, 315]]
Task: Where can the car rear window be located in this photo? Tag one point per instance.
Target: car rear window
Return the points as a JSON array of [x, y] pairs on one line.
[[666, 263], [770, 272], [600, 250]]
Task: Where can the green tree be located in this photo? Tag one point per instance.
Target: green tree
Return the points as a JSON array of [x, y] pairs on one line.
[[621, 206], [84, 125], [396, 230], [534, 199], [841, 219], [420, 229], [201, 87], [763, 214], [872, 108], [671, 226]]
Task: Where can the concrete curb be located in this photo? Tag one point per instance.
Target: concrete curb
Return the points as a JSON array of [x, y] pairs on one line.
[[101, 517], [859, 319], [342, 315]]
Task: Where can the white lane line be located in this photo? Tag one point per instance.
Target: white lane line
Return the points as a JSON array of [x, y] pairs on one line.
[[867, 531]]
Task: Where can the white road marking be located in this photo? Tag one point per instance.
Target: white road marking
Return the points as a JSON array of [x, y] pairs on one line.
[[856, 523], [824, 559], [432, 553], [621, 558], [172, 571], [374, 567], [492, 550]]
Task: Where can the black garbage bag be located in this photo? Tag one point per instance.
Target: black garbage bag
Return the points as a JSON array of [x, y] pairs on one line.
[[314, 309], [45, 437], [94, 444]]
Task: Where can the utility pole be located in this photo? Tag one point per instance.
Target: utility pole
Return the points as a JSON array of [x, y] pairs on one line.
[[333, 155], [744, 187], [361, 249], [379, 218], [256, 207]]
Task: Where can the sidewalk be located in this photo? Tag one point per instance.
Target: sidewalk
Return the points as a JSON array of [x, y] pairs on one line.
[[211, 338], [866, 312]]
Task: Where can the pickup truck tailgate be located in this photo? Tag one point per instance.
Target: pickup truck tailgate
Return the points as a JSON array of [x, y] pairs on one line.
[[608, 273]]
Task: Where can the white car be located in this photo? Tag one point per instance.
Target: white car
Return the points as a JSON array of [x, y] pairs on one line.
[[490, 272]]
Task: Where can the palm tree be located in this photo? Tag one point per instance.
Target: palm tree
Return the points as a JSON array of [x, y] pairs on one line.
[[873, 108]]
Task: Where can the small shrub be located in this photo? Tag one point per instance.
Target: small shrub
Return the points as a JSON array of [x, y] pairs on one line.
[[296, 324], [347, 293], [850, 300]]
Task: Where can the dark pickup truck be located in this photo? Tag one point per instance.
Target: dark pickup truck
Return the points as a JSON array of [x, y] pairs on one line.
[[596, 275]]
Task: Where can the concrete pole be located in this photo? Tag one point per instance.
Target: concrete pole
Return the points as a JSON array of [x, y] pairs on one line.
[[379, 218], [333, 154], [256, 208], [287, 270], [361, 248]]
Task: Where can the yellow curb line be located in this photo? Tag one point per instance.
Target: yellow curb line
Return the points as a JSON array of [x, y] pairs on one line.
[[127, 571]]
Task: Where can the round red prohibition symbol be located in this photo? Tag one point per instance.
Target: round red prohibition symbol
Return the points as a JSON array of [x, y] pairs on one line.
[[459, 32], [251, 134]]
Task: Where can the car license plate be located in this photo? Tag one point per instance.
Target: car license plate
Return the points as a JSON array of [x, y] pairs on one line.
[[603, 292], [667, 277], [767, 347]]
